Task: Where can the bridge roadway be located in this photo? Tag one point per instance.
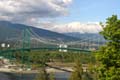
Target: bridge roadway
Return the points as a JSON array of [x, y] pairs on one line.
[[44, 48]]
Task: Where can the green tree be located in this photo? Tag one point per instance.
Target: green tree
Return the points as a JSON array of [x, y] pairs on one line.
[[108, 56], [52, 76], [78, 71], [42, 74]]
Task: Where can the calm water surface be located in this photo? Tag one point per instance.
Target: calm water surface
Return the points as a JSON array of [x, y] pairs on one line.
[[10, 76]]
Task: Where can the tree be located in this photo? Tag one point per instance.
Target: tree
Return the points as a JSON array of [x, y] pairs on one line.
[[78, 71], [42, 74], [52, 76], [108, 56]]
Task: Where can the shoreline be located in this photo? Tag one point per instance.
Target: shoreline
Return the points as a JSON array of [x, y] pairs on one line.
[[49, 70]]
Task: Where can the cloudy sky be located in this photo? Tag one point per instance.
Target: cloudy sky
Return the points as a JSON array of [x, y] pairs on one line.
[[35, 12]]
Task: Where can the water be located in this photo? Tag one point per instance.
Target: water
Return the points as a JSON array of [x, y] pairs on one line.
[[11, 76]]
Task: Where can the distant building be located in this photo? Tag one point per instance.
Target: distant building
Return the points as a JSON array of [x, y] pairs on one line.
[[3, 45], [63, 48]]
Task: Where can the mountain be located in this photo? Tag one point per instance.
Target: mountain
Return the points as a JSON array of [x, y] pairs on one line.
[[84, 36], [12, 30], [76, 27]]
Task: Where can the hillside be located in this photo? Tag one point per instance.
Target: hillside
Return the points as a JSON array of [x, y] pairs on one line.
[[11, 30]]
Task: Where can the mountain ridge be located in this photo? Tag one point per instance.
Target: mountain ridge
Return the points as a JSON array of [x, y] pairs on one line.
[[8, 29], [76, 27]]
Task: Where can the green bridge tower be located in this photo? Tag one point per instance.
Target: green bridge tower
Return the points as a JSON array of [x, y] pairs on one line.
[[26, 38]]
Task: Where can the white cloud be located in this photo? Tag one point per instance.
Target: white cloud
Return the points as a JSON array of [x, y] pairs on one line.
[[27, 10], [90, 27]]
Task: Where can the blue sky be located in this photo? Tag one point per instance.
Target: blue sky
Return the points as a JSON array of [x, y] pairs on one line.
[[91, 10], [32, 12]]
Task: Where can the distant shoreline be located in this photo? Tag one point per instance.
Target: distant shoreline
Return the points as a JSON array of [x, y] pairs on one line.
[[49, 70]]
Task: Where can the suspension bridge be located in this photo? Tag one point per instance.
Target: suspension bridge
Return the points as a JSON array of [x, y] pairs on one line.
[[31, 41]]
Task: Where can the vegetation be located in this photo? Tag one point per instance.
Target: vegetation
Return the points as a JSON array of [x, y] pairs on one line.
[[78, 71], [51, 77], [42, 74], [108, 56], [56, 56], [45, 56], [38, 59], [107, 66], [83, 71]]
